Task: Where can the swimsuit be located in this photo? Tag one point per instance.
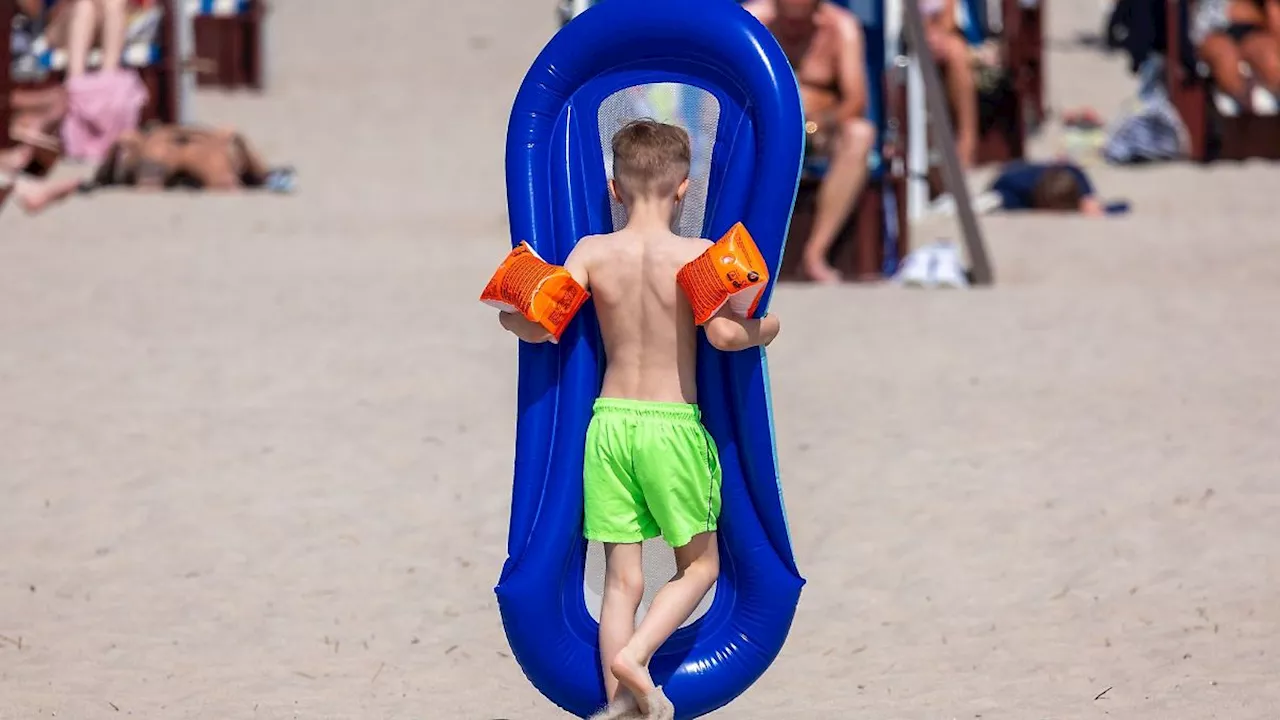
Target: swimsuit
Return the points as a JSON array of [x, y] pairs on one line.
[[1213, 16], [650, 469]]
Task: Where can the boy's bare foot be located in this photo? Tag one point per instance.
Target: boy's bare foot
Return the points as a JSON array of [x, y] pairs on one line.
[[634, 676], [820, 272]]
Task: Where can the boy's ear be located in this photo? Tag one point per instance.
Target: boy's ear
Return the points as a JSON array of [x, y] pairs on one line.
[[613, 191], [680, 191]]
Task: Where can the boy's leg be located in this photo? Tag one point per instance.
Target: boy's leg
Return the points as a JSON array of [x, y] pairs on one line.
[[623, 591], [697, 567]]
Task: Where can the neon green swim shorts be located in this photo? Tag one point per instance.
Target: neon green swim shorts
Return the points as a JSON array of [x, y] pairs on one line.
[[650, 469]]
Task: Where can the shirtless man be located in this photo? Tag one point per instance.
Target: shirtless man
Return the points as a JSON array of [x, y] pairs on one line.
[[824, 44], [650, 466]]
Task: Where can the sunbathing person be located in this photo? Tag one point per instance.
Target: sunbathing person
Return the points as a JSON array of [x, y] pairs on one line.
[[104, 103], [1226, 34], [824, 45], [167, 156], [951, 51]]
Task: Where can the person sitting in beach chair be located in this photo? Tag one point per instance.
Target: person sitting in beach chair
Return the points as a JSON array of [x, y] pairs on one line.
[[950, 49], [1231, 35], [167, 156], [103, 101], [824, 44]]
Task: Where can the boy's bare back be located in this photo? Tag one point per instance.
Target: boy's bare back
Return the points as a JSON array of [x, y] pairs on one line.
[[649, 336]]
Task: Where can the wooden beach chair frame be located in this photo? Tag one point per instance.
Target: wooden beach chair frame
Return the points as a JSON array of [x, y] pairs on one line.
[[235, 43]]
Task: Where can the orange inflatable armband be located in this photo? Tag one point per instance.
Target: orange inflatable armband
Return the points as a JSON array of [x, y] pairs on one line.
[[543, 293], [730, 271]]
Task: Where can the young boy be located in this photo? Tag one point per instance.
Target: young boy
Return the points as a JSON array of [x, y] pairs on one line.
[[650, 467]]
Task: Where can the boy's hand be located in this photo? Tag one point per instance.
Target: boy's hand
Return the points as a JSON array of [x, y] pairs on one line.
[[522, 328], [730, 333], [770, 326]]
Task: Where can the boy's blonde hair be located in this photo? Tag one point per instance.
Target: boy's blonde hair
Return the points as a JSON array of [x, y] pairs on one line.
[[650, 159]]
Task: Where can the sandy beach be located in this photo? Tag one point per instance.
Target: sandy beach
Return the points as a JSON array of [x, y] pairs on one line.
[[255, 452]]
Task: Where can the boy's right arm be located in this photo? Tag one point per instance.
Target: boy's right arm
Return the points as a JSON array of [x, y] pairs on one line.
[[730, 333]]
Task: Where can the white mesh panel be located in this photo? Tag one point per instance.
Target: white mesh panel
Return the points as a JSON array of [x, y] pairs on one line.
[[693, 109], [698, 112]]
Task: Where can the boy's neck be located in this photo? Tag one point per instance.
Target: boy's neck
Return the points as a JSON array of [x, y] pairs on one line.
[[649, 214]]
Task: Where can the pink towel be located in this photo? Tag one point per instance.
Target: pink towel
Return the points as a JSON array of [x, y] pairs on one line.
[[101, 106]]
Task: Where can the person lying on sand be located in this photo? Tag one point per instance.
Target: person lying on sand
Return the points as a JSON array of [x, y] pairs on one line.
[[167, 156], [1057, 187], [1050, 187], [650, 466]]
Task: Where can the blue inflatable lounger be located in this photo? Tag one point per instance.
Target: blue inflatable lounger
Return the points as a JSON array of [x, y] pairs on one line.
[[713, 69]]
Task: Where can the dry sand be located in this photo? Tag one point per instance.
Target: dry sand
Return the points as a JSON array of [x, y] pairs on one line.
[[255, 453]]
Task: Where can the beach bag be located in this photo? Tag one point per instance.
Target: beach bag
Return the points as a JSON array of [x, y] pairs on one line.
[[1152, 133]]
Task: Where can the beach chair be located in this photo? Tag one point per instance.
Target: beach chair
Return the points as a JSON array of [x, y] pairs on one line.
[[152, 51], [1023, 22], [871, 242], [1009, 117], [230, 34], [1217, 129]]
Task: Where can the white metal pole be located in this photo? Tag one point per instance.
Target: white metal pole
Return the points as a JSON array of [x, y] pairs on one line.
[[184, 38], [917, 142]]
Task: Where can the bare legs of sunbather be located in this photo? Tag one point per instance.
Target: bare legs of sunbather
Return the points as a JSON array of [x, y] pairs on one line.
[[76, 26], [36, 195], [697, 567]]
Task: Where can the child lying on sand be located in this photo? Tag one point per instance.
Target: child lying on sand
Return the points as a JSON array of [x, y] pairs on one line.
[[650, 467], [1050, 187]]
